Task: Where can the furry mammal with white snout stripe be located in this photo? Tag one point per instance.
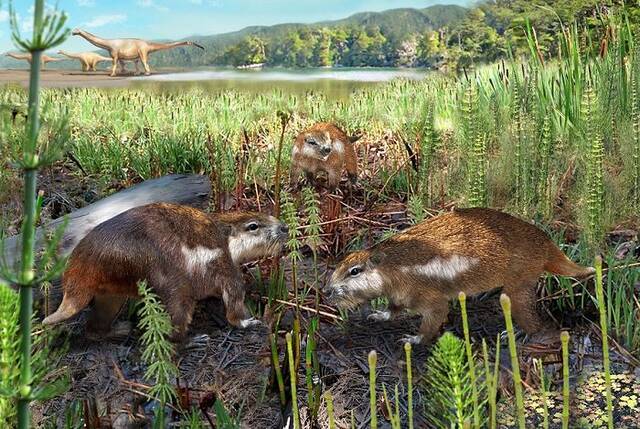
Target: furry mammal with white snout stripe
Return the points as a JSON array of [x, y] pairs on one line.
[[184, 254], [469, 250]]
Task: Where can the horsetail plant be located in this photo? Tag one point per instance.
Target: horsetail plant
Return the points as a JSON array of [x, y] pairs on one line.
[[275, 360], [158, 351], [564, 339], [505, 303], [605, 340], [462, 297], [48, 31], [332, 418], [312, 365], [292, 377], [313, 232], [9, 351], [407, 352], [543, 394], [491, 380], [373, 360], [595, 159], [393, 412]]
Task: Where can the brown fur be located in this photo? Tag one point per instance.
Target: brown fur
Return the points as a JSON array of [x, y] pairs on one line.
[[485, 249], [310, 159], [153, 243]]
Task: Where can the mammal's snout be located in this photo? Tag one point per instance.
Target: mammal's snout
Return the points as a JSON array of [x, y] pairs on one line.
[[326, 150], [284, 228]]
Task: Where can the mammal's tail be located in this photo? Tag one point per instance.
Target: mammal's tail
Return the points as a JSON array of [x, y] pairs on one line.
[[72, 304], [558, 263]]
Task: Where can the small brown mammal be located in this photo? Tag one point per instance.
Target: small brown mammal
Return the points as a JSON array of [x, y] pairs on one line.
[[469, 250], [324, 148], [184, 254]]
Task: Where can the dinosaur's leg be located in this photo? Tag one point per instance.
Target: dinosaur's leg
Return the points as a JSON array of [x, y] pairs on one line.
[[85, 66], [137, 64], [114, 66], [143, 58]]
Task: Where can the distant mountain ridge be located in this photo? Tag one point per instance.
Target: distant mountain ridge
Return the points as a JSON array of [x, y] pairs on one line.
[[395, 24]]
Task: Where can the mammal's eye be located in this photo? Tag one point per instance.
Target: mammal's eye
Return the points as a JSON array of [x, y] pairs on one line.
[[312, 142], [252, 226], [355, 271]]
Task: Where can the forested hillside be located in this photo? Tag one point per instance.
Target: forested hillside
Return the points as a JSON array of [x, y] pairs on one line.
[[441, 37], [448, 37]]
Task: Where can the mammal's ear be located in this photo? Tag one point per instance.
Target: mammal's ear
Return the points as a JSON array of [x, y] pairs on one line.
[[357, 136], [376, 258]]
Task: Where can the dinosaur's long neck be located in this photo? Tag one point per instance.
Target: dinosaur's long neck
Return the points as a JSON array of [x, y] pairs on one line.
[[19, 56], [153, 47], [95, 40], [67, 54]]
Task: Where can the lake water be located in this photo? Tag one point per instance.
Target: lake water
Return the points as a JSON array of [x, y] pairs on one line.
[[339, 82], [284, 75]]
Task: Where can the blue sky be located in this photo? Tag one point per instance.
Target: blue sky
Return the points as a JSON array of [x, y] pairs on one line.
[[173, 19]]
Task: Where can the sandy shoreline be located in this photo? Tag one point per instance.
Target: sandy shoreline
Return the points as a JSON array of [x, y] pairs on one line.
[[72, 78]]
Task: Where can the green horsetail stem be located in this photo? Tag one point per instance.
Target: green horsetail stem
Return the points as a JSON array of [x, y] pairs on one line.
[[332, 419], [373, 360], [543, 394], [505, 303], [407, 352], [491, 380], [276, 366], [564, 338], [462, 297], [605, 340], [292, 376]]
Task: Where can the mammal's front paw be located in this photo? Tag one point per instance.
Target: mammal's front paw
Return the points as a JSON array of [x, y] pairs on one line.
[[252, 321], [380, 316], [412, 339]]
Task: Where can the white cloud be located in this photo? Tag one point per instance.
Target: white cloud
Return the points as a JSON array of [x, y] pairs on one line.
[[86, 3], [102, 20], [4, 15]]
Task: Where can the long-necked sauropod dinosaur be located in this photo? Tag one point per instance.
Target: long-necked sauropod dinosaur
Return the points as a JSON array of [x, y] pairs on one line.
[[324, 147], [88, 60], [130, 49], [469, 250], [44, 59], [184, 254]]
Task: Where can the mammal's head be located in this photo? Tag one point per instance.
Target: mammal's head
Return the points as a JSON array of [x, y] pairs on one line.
[[253, 235], [356, 279], [318, 144]]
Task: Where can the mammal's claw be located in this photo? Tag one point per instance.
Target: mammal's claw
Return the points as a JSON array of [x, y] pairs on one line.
[[252, 321], [380, 316], [412, 339]]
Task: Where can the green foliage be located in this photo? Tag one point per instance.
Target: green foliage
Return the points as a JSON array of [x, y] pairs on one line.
[[48, 31], [505, 303], [158, 351], [594, 181], [9, 352], [602, 307], [447, 380], [224, 420]]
